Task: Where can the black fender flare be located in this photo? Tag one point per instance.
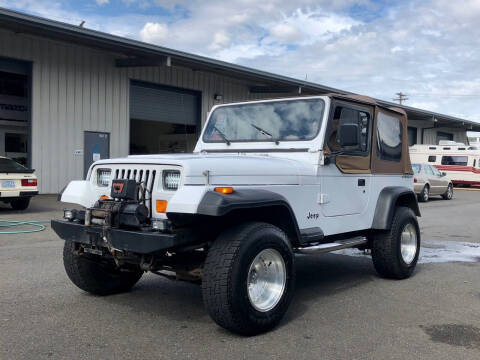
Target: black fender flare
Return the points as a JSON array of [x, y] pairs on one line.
[[389, 198], [217, 204]]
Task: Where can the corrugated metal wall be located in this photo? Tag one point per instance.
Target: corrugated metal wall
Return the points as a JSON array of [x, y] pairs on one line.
[[76, 88]]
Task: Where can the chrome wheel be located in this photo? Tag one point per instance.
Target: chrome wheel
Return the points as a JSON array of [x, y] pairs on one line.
[[449, 192], [266, 280], [425, 194], [408, 243]]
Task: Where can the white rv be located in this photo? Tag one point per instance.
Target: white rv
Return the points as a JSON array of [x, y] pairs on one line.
[[460, 162]]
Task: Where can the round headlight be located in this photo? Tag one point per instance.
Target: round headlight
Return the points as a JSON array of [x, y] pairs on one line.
[[171, 179]]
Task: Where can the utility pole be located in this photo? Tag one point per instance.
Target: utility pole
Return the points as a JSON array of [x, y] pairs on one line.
[[401, 97]]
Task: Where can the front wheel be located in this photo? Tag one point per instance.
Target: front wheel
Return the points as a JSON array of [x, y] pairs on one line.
[[448, 195], [395, 252], [94, 276], [249, 277]]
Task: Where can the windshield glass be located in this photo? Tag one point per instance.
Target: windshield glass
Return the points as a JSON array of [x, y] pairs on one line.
[[286, 120], [416, 168], [8, 165]]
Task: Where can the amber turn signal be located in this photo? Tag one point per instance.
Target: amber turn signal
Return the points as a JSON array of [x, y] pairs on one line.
[[224, 190], [104, 197], [161, 206]]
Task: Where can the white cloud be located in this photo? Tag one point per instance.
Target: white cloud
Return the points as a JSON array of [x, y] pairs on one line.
[[102, 2], [221, 40], [155, 33], [285, 32], [426, 49]]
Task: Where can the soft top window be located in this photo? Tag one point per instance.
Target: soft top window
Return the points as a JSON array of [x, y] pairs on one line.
[[8, 165], [389, 137], [287, 120]]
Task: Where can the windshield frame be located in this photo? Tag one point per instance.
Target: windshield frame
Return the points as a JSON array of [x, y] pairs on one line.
[[267, 140]]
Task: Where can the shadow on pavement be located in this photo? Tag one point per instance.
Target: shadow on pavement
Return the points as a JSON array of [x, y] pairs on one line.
[[318, 276]]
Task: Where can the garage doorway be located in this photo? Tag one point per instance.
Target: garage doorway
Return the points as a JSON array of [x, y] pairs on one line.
[[15, 100], [163, 119]]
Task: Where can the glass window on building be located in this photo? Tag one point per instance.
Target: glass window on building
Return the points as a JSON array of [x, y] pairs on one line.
[[444, 136], [412, 136]]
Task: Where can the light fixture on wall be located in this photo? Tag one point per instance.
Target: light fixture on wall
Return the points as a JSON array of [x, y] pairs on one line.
[[218, 97]]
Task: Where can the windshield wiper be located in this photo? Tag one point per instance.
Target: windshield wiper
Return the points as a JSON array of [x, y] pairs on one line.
[[222, 135], [264, 132]]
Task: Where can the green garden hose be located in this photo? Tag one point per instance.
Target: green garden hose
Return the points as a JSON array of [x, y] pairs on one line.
[[36, 224]]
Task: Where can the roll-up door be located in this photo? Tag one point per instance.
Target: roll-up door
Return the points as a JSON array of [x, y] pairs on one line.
[[163, 119]]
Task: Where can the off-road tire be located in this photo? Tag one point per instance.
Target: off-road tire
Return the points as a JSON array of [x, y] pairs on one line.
[[20, 204], [425, 194], [95, 277], [224, 284], [386, 253], [448, 195]]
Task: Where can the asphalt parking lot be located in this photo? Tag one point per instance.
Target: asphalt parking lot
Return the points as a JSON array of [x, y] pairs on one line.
[[341, 310]]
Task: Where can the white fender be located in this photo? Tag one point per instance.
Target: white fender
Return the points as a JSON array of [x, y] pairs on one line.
[[80, 192]]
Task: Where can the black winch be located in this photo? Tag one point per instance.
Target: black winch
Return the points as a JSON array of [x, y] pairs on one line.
[[122, 209]]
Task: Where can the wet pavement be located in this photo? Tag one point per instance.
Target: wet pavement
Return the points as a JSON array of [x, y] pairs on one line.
[[341, 309]]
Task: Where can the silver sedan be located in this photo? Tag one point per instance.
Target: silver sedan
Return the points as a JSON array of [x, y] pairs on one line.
[[428, 181]]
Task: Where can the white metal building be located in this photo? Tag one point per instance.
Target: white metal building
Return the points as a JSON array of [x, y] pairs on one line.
[[70, 95]]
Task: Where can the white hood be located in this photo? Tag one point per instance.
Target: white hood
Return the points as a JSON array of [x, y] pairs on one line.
[[227, 168]]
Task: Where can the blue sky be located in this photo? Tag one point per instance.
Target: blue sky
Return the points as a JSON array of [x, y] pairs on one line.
[[427, 49]]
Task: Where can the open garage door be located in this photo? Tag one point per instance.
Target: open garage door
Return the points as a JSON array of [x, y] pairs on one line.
[[15, 110], [163, 119]]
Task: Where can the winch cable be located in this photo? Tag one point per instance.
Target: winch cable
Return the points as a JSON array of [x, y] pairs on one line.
[[36, 224]]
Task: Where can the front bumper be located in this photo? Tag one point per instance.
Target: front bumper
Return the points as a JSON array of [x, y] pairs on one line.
[[142, 242]]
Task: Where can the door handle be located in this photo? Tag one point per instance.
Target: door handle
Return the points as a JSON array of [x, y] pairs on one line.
[[361, 182]]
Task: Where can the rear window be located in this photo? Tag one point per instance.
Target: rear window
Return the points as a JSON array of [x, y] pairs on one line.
[[389, 137], [8, 165], [416, 168], [455, 160]]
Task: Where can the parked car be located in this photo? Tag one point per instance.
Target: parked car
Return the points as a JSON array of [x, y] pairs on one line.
[[267, 179], [17, 184], [428, 181]]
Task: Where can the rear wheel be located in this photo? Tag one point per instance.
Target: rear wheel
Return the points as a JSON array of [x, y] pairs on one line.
[[425, 194], [448, 195], [95, 277], [20, 204], [395, 252], [249, 278]]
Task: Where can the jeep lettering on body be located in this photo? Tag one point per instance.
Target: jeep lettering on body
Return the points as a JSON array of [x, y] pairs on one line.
[[267, 179]]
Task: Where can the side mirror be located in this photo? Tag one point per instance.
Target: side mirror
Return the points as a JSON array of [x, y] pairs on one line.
[[349, 135], [444, 173]]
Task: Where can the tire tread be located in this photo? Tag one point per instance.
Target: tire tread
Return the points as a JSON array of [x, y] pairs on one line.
[[216, 285], [90, 277], [384, 252]]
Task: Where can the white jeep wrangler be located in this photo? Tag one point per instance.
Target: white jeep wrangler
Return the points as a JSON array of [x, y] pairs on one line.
[[268, 179]]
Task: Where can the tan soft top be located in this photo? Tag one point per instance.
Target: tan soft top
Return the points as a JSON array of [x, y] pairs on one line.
[[373, 163]]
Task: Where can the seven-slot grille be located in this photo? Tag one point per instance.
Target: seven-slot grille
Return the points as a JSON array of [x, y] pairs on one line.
[[145, 175]]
